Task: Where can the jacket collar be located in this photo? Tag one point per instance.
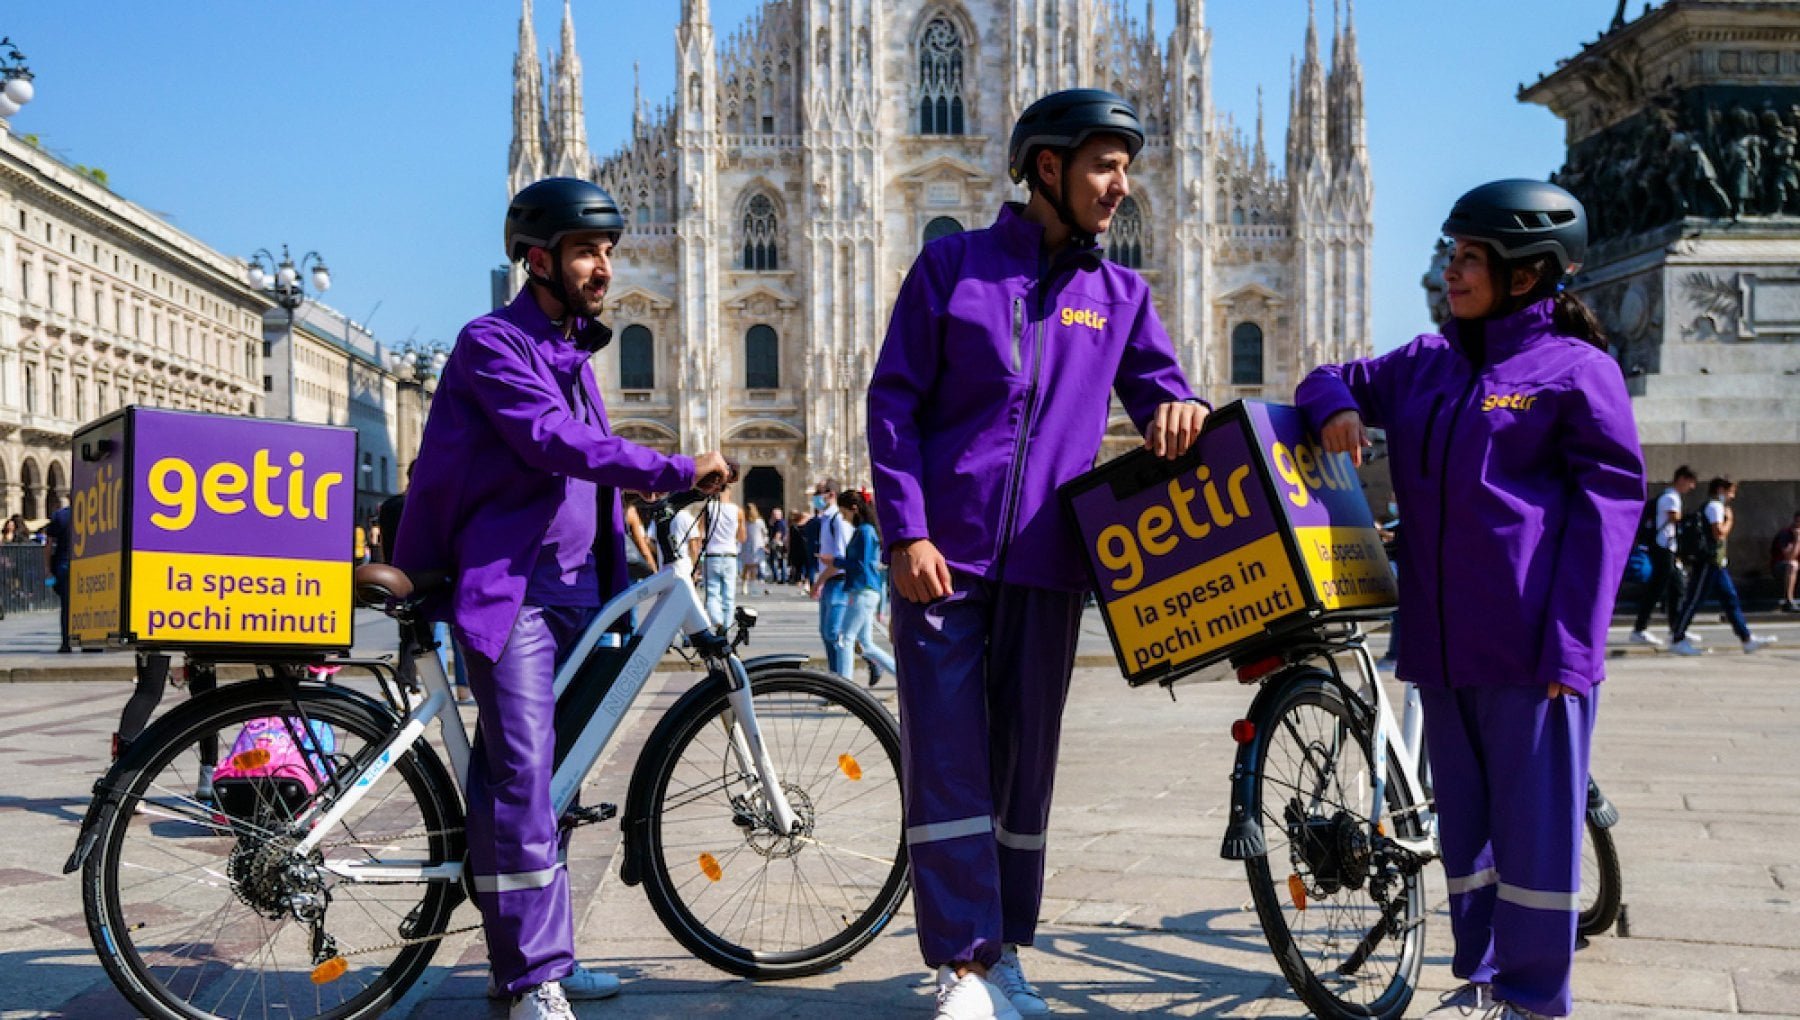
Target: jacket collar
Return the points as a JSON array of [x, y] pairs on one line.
[[564, 352], [1024, 237], [1507, 334]]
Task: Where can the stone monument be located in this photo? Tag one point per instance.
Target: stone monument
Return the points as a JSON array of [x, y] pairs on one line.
[[1682, 130]]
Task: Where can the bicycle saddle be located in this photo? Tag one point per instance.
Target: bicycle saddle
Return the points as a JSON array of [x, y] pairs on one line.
[[378, 584]]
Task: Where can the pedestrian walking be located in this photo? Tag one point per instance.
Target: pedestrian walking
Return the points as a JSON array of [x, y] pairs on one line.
[[723, 526], [991, 389], [57, 538], [777, 548], [750, 555], [154, 673], [516, 497], [800, 548], [1714, 575], [828, 585], [862, 588], [1516, 457], [1668, 581]]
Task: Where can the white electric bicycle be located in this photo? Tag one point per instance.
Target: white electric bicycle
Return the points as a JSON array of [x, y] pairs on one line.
[[763, 818], [1331, 813]]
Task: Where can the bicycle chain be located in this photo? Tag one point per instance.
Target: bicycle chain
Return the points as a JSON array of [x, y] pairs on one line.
[[403, 943]]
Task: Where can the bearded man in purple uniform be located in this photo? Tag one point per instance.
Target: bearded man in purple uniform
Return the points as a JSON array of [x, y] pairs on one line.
[[516, 496], [992, 390]]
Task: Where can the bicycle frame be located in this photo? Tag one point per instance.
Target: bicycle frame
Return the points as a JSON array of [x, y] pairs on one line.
[[671, 609]]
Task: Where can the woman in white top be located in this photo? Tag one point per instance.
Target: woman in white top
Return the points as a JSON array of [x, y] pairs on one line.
[[750, 555]]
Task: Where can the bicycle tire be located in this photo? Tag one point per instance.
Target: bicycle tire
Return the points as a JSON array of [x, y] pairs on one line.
[[698, 825], [185, 900], [1318, 861], [1601, 883]]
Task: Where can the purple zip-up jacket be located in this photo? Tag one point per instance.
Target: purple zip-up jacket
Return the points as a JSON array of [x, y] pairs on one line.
[[992, 390], [501, 438], [1520, 481]]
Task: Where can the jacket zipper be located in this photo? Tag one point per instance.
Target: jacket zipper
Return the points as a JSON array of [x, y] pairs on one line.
[[1009, 509], [1018, 336], [1444, 513]]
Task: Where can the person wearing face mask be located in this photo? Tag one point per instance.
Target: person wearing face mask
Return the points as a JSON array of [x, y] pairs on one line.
[[515, 496], [828, 587], [992, 388], [1512, 446]]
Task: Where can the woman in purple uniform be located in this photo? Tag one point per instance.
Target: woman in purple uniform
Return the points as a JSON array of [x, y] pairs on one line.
[[1514, 451]]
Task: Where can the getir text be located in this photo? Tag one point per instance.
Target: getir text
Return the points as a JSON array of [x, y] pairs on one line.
[[1122, 548], [179, 489]]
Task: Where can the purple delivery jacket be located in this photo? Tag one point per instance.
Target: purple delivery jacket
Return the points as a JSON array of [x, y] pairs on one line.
[[501, 438], [1521, 483], [992, 390]]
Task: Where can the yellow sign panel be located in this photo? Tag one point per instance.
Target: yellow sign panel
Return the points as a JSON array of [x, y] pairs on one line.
[[178, 597], [1206, 607], [94, 598], [1348, 568]]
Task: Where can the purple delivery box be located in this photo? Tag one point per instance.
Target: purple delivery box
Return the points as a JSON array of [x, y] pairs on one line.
[[1254, 532], [210, 532]]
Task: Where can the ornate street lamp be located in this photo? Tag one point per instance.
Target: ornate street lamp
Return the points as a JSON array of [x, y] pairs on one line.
[[17, 90], [285, 284]]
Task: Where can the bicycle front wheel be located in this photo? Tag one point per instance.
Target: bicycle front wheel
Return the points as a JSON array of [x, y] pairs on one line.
[[736, 892], [201, 907], [1340, 903]]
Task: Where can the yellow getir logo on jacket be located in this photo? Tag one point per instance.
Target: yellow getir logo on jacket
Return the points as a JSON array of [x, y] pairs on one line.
[[1508, 402], [1083, 317]]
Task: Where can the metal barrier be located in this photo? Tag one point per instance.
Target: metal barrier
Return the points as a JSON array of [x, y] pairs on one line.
[[22, 574]]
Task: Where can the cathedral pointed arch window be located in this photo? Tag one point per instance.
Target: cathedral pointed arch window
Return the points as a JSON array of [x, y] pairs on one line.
[[940, 78], [637, 358], [760, 228], [762, 358], [1125, 238], [1247, 355]]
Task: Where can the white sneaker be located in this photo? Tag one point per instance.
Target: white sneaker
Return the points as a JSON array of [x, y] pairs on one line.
[[582, 985], [1686, 646], [1009, 977], [545, 1002], [1644, 637], [970, 998], [1757, 642], [1470, 999], [1508, 1011]]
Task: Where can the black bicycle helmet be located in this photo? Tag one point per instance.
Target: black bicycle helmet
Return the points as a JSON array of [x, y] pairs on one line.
[[1521, 219], [1063, 120], [543, 212]]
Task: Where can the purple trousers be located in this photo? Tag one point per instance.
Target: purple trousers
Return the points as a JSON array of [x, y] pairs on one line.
[[515, 844], [983, 677], [1510, 771]]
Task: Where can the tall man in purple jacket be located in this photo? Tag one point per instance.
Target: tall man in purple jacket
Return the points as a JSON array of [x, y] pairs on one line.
[[516, 494], [992, 390]]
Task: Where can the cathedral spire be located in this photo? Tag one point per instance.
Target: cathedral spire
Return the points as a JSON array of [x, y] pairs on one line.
[[1309, 127], [525, 162], [1262, 149], [568, 125], [1350, 133]]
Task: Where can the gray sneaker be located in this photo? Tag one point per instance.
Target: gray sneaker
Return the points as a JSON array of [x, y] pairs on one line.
[[1508, 1011], [545, 1002]]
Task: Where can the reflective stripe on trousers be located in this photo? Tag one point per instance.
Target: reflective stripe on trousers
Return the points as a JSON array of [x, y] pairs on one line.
[[515, 843], [1510, 768], [977, 785]]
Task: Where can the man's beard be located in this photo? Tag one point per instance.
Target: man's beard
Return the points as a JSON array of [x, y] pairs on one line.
[[578, 301]]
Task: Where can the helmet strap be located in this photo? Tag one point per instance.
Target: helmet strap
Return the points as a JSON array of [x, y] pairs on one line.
[[551, 284], [1078, 236]]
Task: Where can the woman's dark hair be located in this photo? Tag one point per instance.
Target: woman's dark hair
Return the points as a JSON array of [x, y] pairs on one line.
[[1718, 485], [1569, 315], [850, 499]]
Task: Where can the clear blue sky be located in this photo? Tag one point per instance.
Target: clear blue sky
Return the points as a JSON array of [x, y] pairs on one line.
[[376, 133]]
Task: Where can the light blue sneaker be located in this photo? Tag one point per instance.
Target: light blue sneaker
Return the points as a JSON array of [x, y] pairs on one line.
[[1472, 999], [582, 985]]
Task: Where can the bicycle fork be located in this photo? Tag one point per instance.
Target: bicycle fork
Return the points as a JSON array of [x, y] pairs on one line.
[[751, 753]]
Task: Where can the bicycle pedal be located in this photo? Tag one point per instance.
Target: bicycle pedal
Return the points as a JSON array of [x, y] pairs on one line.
[[588, 815]]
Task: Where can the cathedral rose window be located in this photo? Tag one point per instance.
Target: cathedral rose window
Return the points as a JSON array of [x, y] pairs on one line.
[[940, 79], [759, 235]]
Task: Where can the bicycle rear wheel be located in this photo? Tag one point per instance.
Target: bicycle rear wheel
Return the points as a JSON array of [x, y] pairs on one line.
[[1600, 882], [1343, 910], [730, 888], [201, 908]]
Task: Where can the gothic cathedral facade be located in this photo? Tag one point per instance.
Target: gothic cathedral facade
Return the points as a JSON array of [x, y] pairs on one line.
[[777, 200]]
